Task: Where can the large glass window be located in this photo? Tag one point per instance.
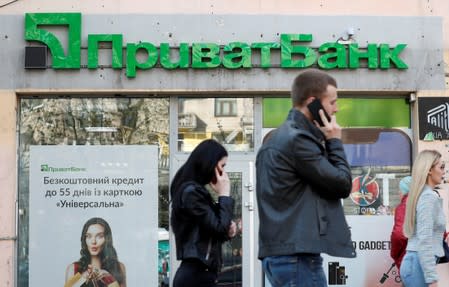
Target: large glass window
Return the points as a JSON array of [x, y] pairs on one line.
[[379, 159], [376, 137], [92, 121], [230, 121], [377, 143]]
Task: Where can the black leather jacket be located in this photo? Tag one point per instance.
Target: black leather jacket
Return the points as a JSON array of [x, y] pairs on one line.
[[301, 179], [200, 224]]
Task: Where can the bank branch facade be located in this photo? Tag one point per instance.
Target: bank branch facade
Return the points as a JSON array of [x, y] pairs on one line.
[[108, 107]]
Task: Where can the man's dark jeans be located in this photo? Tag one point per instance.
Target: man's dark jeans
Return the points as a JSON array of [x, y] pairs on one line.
[[301, 270]]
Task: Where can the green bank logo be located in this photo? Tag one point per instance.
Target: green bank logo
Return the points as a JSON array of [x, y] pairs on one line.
[[72, 21], [47, 168], [292, 49]]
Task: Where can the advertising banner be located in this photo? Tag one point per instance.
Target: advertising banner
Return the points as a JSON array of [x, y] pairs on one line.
[[93, 215], [433, 118], [373, 265]]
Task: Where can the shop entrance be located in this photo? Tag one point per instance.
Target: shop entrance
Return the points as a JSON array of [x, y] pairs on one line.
[[240, 264]]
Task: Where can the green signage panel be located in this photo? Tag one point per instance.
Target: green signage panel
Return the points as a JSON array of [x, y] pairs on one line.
[[353, 112]]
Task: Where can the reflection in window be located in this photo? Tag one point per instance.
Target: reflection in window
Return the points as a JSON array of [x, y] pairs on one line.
[[89, 121], [379, 159], [229, 121], [231, 271], [225, 107], [378, 150]]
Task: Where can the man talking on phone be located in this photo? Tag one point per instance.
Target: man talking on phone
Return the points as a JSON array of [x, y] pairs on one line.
[[302, 175]]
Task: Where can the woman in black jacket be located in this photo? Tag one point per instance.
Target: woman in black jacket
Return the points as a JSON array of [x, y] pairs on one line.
[[199, 223]]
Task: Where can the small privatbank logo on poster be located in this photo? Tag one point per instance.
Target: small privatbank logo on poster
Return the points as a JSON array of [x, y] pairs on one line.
[[47, 168]]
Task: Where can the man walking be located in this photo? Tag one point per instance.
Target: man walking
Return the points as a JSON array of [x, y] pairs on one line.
[[302, 175]]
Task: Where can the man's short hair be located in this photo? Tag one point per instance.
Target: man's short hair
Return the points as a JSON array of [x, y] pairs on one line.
[[310, 83]]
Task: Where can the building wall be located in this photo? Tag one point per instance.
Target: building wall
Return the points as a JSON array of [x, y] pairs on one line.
[[8, 100], [8, 188], [422, 54], [295, 7]]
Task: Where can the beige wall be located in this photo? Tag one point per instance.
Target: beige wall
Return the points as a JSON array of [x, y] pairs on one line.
[[446, 63], [7, 185], [300, 7]]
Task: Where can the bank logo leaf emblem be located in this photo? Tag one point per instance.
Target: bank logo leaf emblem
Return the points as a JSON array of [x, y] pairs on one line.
[[33, 32]]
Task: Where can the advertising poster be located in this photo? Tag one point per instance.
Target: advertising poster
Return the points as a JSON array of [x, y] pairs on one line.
[[377, 169], [378, 163], [433, 118], [373, 265], [93, 215]]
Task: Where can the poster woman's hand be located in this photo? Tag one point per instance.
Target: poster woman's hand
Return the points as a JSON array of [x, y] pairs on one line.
[[103, 276], [88, 273], [101, 273], [221, 184], [94, 273]]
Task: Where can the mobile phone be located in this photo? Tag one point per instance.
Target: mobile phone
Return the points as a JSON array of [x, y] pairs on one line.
[[314, 108], [214, 178]]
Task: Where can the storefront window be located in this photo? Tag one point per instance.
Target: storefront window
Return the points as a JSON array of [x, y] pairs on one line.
[[377, 144], [379, 159], [227, 120], [79, 121]]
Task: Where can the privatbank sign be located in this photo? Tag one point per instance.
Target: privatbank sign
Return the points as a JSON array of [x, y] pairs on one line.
[[292, 49]]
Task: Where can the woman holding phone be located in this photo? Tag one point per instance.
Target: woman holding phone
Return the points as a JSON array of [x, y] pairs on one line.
[[199, 223]]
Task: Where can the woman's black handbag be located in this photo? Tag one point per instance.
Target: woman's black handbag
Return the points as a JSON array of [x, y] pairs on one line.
[[445, 258]]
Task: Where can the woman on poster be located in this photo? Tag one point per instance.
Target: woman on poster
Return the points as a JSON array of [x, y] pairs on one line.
[[199, 223], [98, 265], [424, 223]]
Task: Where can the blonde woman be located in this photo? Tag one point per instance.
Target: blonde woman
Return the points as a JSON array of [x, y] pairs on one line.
[[424, 222]]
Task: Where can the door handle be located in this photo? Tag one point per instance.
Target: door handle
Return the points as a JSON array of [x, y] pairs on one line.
[[249, 205]]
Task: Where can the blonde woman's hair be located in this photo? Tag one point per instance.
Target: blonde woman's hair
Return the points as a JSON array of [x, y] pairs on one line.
[[424, 162]]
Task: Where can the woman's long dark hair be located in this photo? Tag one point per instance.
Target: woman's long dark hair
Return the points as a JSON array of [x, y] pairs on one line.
[[200, 166], [108, 255]]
